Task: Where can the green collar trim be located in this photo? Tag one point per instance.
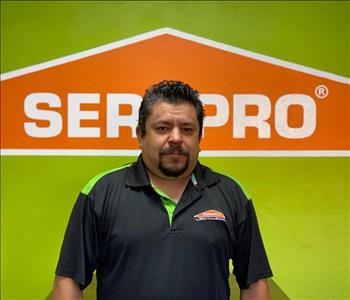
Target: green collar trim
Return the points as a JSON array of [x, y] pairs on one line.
[[88, 187], [169, 203]]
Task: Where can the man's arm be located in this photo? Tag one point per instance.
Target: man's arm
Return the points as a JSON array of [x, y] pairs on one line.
[[256, 291], [66, 288]]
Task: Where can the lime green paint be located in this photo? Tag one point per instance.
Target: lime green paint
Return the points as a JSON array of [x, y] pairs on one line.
[[311, 33], [302, 205], [88, 187], [169, 204]]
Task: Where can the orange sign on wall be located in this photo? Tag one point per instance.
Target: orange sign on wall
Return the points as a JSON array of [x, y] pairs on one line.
[[89, 101]]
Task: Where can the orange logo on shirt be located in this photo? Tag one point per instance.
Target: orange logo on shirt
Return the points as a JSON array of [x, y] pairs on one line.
[[211, 214]]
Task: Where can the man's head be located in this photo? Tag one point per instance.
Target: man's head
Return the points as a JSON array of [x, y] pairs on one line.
[[170, 128], [172, 92]]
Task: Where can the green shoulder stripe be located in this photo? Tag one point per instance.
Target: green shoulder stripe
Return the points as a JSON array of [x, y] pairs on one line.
[[245, 192], [242, 188], [88, 187]]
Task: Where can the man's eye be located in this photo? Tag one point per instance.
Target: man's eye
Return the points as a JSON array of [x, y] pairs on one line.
[[187, 129], [162, 128]]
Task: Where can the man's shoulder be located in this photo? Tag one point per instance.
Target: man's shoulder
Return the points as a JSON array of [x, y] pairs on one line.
[[226, 181], [108, 176]]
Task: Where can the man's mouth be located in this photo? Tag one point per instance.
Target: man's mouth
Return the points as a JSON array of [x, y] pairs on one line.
[[174, 151]]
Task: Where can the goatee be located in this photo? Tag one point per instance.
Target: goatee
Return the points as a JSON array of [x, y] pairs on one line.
[[173, 171]]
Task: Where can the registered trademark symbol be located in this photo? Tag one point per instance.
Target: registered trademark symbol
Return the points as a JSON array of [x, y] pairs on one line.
[[321, 91]]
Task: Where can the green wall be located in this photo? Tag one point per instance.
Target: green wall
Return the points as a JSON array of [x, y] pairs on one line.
[[302, 203], [311, 33]]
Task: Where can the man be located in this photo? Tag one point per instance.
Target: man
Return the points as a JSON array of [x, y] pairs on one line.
[[165, 226]]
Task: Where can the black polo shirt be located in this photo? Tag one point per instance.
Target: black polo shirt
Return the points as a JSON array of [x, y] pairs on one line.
[[121, 228]]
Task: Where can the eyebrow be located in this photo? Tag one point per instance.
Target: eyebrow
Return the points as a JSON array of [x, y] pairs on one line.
[[186, 123]]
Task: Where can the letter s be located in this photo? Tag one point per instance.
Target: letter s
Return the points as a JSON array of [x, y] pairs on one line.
[[31, 111]]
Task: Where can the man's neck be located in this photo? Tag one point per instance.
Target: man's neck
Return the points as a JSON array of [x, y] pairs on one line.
[[173, 187]]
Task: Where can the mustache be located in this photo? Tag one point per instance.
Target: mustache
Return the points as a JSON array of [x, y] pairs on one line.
[[175, 149]]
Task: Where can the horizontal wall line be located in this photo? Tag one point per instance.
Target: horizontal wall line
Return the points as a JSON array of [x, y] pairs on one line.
[[206, 153]]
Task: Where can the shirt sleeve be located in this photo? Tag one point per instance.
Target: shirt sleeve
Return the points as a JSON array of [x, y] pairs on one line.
[[79, 252], [250, 260]]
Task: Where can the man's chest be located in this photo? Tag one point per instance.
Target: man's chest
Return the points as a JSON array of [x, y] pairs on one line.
[[199, 221]]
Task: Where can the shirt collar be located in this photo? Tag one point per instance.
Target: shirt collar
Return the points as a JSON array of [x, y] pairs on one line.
[[204, 176], [137, 175]]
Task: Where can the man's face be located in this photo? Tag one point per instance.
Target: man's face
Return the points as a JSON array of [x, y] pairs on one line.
[[170, 146]]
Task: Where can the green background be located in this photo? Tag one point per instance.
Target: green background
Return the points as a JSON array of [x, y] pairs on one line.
[[302, 203]]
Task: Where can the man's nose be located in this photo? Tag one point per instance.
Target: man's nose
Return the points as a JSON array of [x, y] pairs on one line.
[[175, 135]]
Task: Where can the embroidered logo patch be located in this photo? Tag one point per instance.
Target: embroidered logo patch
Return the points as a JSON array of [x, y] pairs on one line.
[[211, 214]]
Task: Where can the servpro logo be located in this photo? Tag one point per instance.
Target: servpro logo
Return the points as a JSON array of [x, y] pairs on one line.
[[89, 101], [115, 120]]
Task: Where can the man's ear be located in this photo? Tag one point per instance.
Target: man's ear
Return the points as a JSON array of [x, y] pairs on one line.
[[139, 135]]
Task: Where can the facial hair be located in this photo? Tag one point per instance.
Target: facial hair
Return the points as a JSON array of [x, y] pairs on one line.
[[173, 171]]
